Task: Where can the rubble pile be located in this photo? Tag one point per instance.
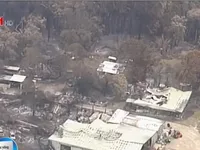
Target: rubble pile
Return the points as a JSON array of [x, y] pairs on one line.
[[99, 103], [84, 116], [21, 133], [41, 114], [102, 116], [58, 110], [23, 138], [23, 110], [168, 134], [68, 98]]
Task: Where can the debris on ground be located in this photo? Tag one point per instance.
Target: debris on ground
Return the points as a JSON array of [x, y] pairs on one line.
[[169, 133]]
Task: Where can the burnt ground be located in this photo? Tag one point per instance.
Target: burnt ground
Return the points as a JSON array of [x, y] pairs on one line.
[[12, 110], [25, 134]]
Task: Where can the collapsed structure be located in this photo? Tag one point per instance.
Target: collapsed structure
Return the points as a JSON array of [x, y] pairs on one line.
[[122, 131], [162, 101]]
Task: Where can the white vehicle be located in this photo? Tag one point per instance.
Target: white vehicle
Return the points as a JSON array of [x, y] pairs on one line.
[[112, 59], [12, 135]]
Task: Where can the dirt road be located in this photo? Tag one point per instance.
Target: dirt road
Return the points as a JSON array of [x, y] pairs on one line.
[[189, 141]]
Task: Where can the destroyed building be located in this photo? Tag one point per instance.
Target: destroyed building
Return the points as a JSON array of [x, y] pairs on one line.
[[166, 101], [122, 131]]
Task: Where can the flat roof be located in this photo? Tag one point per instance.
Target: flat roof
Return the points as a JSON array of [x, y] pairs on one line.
[[12, 68], [106, 136], [109, 67], [176, 100], [17, 78]]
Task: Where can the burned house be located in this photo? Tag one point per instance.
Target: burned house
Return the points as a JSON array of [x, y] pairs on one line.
[[160, 101], [120, 132]]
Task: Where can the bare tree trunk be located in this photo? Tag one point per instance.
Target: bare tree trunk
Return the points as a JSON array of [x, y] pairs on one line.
[[159, 79], [140, 30], [33, 108]]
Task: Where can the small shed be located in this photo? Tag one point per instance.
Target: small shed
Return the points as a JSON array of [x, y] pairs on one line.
[[11, 70], [17, 80], [13, 80]]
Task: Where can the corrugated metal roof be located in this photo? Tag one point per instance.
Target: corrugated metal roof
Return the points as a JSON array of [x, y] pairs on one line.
[[142, 122], [103, 136], [149, 123], [118, 116], [176, 100]]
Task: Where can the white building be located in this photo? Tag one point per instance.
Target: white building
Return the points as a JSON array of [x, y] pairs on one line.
[[168, 100], [121, 132], [13, 80], [110, 67]]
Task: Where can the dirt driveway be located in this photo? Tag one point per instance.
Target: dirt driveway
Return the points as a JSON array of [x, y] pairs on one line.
[[189, 141]]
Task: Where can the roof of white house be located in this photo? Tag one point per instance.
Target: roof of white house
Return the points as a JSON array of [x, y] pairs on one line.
[[12, 68], [106, 136], [176, 99], [17, 78], [109, 67]]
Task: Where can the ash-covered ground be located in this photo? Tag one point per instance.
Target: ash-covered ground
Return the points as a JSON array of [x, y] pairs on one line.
[[33, 123]]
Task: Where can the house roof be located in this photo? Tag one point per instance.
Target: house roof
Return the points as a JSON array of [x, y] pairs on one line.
[[17, 78], [118, 116], [176, 100], [109, 67], [12, 68], [142, 122], [103, 136]]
